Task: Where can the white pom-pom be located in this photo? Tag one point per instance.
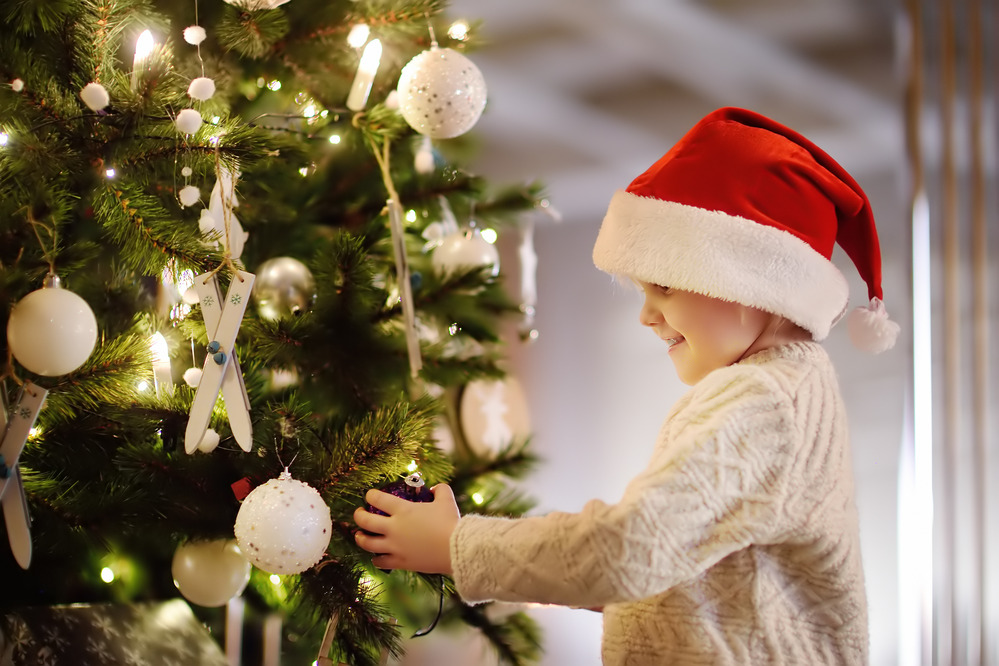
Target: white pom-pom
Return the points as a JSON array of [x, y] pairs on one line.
[[206, 223], [209, 441], [17, 85], [186, 172], [194, 34], [870, 328], [189, 195], [95, 96], [192, 376], [188, 121], [201, 88]]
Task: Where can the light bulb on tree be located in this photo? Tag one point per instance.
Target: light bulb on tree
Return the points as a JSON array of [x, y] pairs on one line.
[[357, 99], [144, 46]]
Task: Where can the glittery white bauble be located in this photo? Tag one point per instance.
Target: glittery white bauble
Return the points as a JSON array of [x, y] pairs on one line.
[[284, 526], [464, 250], [51, 331], [210, 573], [441, 93]]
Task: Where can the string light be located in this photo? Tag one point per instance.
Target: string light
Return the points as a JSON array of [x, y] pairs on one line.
[[478, 498], [411, 467], [458, 30], [334, 139], [366, 70], [143, 47], [274, 85], [107, 575], [489, 235], [411, 215], [4, 137], [275, 579], [110, 173], [309, 111], [358, 35], [304, 171]]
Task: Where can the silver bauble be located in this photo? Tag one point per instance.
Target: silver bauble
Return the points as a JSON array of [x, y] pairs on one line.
[[284, 287]]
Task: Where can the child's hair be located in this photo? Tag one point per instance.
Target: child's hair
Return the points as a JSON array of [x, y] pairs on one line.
[[747, 210]]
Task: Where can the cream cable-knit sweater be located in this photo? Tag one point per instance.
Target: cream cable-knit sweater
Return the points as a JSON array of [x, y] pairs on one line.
[[738, 544]]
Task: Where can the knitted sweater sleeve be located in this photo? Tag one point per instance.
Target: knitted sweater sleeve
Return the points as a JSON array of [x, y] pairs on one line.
[[716, 483]]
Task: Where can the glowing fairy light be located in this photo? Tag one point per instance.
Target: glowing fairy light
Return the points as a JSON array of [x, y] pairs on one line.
[[411, 467], [489, 235], [275, 579], [304, 171], [107, 575], [110, 173], [366, 70], [478, 498], [142, 386], [310, 111], [358, 35], [274, 85], [411, 215], [4, 137], [143, 47], [458, 30], [334, 139]]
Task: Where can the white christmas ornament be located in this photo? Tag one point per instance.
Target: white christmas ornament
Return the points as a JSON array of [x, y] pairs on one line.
[[210, 440], [464, 250], [51, 331], [95, 96], [201, 88], [188, 121], [194, 34], [192, 376], [284, 526], [210, 573], [494, 413], [189, 195], [441, 93]]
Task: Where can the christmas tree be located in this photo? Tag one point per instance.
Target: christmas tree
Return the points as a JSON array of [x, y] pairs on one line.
[[231, 266]]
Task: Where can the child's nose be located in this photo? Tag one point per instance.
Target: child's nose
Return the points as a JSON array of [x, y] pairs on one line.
[[648, 315]]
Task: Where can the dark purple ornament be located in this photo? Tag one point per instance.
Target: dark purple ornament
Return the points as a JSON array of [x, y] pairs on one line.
[[412, 489]]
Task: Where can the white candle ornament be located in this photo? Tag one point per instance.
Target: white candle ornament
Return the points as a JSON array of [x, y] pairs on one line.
[[357, 99]]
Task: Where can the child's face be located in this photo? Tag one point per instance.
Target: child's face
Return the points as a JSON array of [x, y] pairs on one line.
[[703, 333]]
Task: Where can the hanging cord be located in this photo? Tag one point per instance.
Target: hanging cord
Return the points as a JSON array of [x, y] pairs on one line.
[[227, 199], [383, 157]]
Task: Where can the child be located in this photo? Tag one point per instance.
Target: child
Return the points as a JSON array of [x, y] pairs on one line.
[[739, 542]]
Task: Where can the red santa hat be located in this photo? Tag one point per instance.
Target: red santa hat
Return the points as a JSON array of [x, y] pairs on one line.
[[747, 210]]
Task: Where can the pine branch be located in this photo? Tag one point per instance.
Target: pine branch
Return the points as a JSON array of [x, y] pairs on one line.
[[149, 237]]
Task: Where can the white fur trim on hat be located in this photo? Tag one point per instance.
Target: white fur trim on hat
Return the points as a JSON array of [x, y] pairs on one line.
[[723, 256]]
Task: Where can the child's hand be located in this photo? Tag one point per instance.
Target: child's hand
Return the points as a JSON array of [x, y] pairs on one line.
[[414, 535]]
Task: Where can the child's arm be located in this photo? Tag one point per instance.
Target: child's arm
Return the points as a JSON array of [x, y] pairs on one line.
[[414, 535]]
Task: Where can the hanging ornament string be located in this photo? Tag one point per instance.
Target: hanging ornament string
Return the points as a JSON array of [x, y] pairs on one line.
[[227, 199], [382, 155]]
